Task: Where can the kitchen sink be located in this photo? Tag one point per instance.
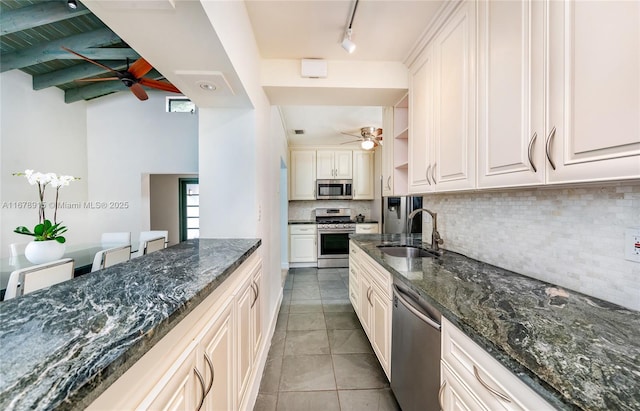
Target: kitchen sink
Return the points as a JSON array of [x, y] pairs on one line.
[[406, 251]]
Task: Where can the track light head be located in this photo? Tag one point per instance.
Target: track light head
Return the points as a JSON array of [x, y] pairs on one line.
[[72, 4], [347, 44]]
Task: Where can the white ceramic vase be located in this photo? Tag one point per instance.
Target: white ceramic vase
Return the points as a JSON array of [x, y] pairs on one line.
[[40, 252]]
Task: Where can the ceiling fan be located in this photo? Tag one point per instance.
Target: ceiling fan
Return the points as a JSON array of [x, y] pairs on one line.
[[370, 137], [132, 77]]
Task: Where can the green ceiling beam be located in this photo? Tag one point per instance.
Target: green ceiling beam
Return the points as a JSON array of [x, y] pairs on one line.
[[66, 75], [101, 88], [36, 15], [52, 50]]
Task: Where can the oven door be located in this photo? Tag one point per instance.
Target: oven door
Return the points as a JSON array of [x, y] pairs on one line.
[[333, 243]]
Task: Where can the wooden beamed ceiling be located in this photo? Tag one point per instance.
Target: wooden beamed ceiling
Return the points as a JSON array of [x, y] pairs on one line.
[[33, 32]]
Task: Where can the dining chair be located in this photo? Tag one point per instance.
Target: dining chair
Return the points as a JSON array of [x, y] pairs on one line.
[[26, 280], [151, 235], [115, 239], [152, 245], [111, 256]]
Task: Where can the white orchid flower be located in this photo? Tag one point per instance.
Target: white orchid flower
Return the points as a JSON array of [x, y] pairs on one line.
[[36, 177]]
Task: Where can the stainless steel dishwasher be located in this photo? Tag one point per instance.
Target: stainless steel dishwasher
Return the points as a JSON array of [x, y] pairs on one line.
[[415, 351]]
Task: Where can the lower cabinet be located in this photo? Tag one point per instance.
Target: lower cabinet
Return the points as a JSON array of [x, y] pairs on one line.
[[303, 243], [472, 379], [207, 361], [371, 298], [367, 228]]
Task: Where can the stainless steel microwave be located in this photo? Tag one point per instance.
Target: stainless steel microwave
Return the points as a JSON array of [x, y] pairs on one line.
[[334, 189]]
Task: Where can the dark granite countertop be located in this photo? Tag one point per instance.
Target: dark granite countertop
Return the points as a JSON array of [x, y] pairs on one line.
[[62, 346], [576, 351]]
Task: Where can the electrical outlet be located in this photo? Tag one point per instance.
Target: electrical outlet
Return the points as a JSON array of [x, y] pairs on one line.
[[632, 244]]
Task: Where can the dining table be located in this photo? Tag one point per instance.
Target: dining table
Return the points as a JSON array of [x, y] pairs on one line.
[[82, 255]]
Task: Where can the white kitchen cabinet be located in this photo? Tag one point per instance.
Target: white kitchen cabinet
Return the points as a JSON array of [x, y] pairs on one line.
[[367, 228], [302, 175], [511, 93], [488, 382], [593, 131], [334, 164], [215, 343], [303, 243], [454, 395], [442, 109], [363, 162], [387, 152], [399, 185], [372, 303]]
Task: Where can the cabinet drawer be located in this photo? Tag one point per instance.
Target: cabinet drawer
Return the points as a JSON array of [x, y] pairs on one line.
[[379, 276], [368, 228], [496, 386], [454, 395], [302, 229]]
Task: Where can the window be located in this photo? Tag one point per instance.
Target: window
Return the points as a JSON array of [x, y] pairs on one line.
[[189, 209], [180, 105]]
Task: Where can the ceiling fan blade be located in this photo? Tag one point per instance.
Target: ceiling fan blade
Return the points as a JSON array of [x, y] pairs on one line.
[[139, 92], [98, 79], [89, 60], [160, 85], [349, 134], [352, 141], [140, 68]]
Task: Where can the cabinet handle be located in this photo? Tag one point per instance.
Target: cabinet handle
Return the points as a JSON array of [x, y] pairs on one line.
[[433, 173], [257, 290], [549, 138], [389, 182], [533, 138], [255, 295], [485, 385], [440, 394], [426, 173], [369, 291], [210, 364], [201, 385]]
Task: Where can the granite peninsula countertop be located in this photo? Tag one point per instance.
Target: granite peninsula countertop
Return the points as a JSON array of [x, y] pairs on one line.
[[61, 347], [576, 351]]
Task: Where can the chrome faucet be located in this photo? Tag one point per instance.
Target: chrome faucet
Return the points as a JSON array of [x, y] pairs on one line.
[[436, 240]]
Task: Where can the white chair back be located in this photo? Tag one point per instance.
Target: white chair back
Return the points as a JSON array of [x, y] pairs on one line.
[[153, 245], [111, 256], [115, 239], [151, 235], [27, 280], [17, 248]]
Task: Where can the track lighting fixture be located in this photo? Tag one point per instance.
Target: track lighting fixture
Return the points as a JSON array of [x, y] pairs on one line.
[[72, 4], [347, 43]]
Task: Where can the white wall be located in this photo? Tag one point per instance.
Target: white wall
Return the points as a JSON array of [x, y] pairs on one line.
[[573, 237], [127, 140], [39, 131]]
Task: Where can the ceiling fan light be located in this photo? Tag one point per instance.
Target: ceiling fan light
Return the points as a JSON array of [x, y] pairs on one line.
[[367, 144], [72, 4]]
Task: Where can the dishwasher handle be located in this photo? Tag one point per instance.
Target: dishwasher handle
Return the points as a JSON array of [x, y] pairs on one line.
[[400, 296]]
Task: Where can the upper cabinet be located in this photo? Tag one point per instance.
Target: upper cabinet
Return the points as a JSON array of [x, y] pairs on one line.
[[591, 100], [442, 108], [510, 94], [334, 164], [593, 131], [302, 175], [363, 187]]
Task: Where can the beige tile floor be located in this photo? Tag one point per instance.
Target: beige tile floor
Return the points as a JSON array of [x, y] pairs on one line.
[[320, 358]]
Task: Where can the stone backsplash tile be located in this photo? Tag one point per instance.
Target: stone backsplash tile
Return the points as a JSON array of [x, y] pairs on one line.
[[573, 237], [305, 210]]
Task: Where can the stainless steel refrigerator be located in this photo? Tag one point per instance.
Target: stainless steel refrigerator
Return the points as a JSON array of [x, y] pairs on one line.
[[395, 211]]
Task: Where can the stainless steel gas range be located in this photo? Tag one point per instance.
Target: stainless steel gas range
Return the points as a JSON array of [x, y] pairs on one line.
[[334, 227]]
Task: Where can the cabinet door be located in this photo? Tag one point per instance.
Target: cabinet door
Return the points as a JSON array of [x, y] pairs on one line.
[[387, 152], [302, 175], [511, 99], [454, 164], [303, 248], [256, 311], [325, 167], [421, 124], [343, 164], [178, 389], [363, 188], [354, 285], [364, 302], [454, 396], [381, 328], [593, 131], [244, 300], [217, 344]]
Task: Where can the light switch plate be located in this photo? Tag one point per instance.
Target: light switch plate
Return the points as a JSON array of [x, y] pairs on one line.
[[632, 244]]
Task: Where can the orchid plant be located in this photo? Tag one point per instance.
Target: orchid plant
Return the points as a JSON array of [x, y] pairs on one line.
[[46, 230]]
